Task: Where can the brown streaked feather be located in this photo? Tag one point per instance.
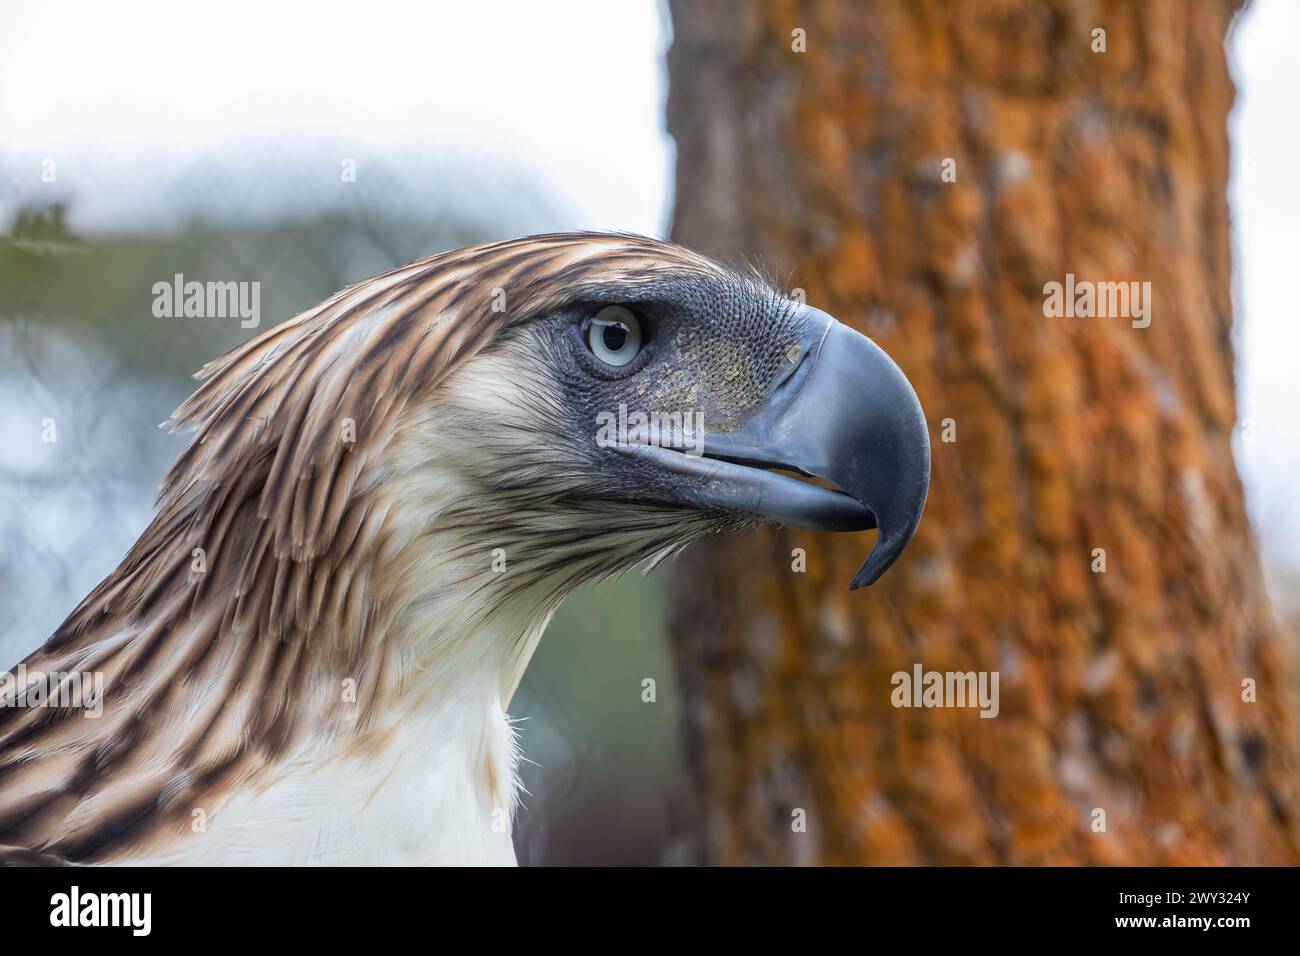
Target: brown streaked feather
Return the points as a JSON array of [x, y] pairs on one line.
[[204, 671], [21, 856]]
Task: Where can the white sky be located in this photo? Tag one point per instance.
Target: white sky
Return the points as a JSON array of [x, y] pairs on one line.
[[1265, 197], [569, 94], [572, 91]]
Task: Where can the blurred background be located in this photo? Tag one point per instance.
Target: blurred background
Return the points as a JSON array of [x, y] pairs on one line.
[[247, 141]]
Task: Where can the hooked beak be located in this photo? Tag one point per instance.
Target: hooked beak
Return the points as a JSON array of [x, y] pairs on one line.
[[843, 412]]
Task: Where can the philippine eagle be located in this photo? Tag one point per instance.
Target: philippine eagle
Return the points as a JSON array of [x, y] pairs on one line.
[[308, 653]]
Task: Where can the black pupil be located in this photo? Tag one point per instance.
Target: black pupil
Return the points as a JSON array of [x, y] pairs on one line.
[[614, 336]]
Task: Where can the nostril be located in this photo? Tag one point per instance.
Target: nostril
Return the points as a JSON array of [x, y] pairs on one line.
[[794, 359]]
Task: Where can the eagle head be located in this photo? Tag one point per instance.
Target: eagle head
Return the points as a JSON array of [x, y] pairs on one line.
[[511, 420], [384, 499], [635, 395]]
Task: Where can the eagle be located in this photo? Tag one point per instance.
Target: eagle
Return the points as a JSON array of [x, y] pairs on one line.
[[307, 656]]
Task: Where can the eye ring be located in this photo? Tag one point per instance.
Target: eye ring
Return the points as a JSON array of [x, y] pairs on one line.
[[614, 335]]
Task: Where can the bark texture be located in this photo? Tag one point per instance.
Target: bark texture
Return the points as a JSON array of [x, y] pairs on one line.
[[1120, 690]]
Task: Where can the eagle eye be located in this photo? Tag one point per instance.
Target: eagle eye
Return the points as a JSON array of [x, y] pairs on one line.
[[614, 335]]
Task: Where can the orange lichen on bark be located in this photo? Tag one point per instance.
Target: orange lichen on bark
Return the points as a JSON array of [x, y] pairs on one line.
[[1120, 689]]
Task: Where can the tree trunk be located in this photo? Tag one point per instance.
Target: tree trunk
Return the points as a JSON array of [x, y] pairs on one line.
[[1121, 690]]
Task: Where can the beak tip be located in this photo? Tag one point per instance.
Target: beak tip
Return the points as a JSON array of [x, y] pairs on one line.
[[889, 547], [869, 572]]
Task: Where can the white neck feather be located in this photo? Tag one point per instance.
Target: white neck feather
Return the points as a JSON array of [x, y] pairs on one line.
[[431, 776], [431, 782]]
